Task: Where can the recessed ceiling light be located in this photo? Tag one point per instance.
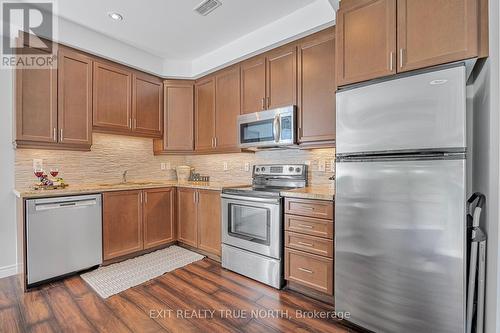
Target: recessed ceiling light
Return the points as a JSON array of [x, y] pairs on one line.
[[115, 16]]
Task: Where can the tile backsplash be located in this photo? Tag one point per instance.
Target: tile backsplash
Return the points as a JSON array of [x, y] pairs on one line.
[[112, 154]]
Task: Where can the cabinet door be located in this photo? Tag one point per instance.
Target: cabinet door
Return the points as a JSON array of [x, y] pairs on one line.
[[122, 223], [147, 105], [434, 32], [317, 88], [281, 77], [158, 217], [36, 103], [178, 134], [209, 224], [227, 109], [366, 40], [205, 115], [187, 224], [112, 98], [253, 85], [74, 97]]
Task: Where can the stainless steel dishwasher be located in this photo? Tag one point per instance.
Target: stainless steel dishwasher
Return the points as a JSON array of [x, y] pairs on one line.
[[63, 235]]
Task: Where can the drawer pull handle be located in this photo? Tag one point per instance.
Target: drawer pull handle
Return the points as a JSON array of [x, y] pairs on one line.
[[307, 207], [305, 270], [306, 226], [306, 244]]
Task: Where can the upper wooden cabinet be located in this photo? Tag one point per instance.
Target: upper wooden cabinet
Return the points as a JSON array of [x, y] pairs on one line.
[[74, 97], [227, 109], [54, 107], [147, 104], [270, 80], [281, 75], [126, 101], [433, 32], [205, 114], [376, 38], [112, 100], [178, 124], [316, 103], [366, 40], [253, 85]]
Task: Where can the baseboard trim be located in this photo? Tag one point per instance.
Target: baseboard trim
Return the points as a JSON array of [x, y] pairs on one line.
[[9, 270]]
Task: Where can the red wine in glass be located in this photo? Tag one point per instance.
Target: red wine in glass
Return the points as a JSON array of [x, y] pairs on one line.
[[54, 172], [38, 173]]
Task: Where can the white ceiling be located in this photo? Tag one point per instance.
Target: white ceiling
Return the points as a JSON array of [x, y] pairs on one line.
[[171, 29]]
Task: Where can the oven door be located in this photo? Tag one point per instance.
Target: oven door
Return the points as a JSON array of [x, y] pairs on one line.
[[252, 224]]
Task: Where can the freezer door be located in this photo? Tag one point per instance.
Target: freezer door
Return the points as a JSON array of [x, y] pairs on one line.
[[420, 112], [400, 245]]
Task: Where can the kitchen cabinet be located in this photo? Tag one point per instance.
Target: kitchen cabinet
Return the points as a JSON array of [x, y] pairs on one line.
[[199, 219], [122, 223], [316, 90], [366, 40], [227, 109], [309, 247], [126, 101], [53, 107], [112, 98], [137, 220], [253, 85], [147, 104], [205, 114], [187, 216], [269, 81], [376, 38], [74, 97], [159, 216], [217, 107], [178, 124]]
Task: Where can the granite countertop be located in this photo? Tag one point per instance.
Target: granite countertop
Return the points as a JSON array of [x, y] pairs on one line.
[[320, 192], [28, 193]]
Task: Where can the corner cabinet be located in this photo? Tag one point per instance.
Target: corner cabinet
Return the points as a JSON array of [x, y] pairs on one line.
[[178, 118], [199, 219], [376, 38], [137, 220], [53, 106], [126, 101]]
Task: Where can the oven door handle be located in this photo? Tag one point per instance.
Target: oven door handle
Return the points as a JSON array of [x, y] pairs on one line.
[[251, 199]]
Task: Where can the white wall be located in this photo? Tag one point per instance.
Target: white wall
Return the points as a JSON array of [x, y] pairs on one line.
[[8, 258], [486, 163]]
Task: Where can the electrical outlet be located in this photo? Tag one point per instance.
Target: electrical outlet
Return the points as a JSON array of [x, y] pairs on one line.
[[247, 166], [332, 165], [163, 166], [168, 166], [322, 165], [225, 166], [37, 163]]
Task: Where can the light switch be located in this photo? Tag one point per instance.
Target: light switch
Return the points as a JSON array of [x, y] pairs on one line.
[[247, 166], [332, 165], [163, 166], [322, 165], [225, 166]]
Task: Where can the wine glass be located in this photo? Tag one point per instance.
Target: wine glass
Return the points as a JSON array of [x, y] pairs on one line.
[[38, 173], [54, 172]]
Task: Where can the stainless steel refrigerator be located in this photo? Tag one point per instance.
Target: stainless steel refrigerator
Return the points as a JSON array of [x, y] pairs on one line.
[[400, 233]]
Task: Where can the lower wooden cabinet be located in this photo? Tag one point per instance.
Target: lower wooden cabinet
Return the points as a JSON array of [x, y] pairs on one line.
[[198, 219], [310, 270], [137, 220]]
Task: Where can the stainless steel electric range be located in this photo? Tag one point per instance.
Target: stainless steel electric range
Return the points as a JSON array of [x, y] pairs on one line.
[[252, 222]]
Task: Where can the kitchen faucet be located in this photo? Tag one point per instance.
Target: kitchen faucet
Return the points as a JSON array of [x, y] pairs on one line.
[[124, 176]]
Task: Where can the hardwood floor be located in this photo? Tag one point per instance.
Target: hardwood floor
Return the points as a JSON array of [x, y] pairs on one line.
[[201, 297]]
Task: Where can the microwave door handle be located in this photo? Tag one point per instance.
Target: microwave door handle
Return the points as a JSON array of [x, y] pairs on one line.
[[277, 129]]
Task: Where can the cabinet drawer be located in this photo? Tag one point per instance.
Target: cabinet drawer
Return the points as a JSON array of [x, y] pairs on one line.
[[309, 226], [311, 244], [310, 208], [309, 270]]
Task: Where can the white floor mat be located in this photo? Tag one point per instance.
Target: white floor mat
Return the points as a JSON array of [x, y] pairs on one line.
[[115, 278]]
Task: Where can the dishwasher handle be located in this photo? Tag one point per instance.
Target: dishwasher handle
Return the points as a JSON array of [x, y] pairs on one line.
[[65, 204]]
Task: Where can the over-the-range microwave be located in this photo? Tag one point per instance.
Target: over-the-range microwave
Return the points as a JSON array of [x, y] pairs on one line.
[[268, 129]]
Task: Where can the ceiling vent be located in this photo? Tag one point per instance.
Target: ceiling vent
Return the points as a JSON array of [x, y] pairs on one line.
[[207, 6]]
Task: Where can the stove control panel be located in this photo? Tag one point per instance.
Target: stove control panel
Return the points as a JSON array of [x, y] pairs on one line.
[[279, 170]]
